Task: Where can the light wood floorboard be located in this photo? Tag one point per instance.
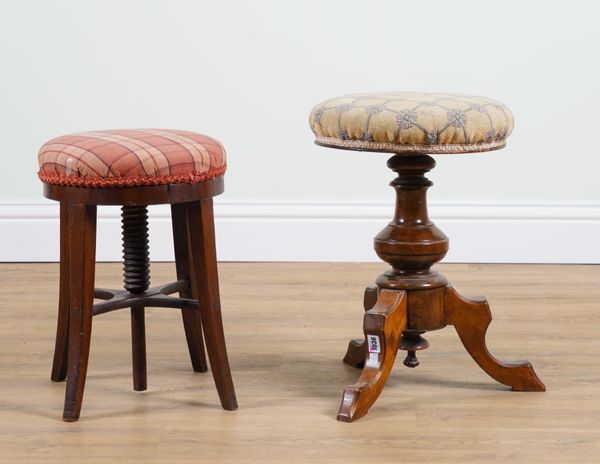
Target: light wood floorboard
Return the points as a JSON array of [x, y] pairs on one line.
[[287, 327]]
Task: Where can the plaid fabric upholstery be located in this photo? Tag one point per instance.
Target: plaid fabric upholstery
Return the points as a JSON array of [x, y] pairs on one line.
[[113, 158]]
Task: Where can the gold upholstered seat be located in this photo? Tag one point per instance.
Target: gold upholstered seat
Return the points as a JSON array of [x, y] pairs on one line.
[[412, 122]]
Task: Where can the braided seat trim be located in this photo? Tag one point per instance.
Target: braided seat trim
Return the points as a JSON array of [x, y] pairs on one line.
[[389, 147], [187, 178]]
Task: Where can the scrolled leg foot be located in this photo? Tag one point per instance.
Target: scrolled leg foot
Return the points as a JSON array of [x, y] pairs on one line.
[[383, 325], [355, 354], [471, 318], [357, 348]]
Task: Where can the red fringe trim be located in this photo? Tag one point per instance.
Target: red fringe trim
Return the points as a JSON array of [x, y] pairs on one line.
[[188, 178]]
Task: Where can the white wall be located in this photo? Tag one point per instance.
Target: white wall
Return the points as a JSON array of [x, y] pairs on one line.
[[248, 73]]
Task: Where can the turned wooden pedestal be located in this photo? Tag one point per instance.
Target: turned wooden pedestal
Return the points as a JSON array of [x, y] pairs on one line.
[[411, 299], [197, 280]]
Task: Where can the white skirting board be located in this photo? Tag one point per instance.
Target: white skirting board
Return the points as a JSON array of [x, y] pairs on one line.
[[328, 231]]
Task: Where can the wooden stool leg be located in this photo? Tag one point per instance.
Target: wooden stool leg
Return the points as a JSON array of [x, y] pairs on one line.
[[383, 325], [61, 347], [357, 348], [205, 288], [82, 255], [138, 348], [192, 322], [471, 318]]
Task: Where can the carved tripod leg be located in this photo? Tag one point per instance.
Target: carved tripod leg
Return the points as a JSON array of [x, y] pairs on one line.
[[471, 318], [357, 348], [383, 325]]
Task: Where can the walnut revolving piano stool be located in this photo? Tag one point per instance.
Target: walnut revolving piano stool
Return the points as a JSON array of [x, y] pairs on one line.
[[136, 168], [411, 298]]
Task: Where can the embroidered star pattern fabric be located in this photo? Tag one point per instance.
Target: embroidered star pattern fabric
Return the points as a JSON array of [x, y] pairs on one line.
[[412, 122], [131, 157]]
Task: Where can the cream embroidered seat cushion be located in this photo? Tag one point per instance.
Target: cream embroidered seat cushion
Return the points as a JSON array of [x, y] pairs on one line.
[[412, 122], [113, 158]]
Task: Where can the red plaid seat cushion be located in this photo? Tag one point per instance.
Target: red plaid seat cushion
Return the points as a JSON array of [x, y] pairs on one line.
[[113, 158]]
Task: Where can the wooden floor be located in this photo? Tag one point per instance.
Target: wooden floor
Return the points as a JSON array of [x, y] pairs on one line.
[[287, 327]]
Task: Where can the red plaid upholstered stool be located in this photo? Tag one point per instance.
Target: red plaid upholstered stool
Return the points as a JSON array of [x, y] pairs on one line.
[[411, 298], [136, 168]]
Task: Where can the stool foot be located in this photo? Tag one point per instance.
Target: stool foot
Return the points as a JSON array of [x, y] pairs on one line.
[[411, 359], [356, 352], [138, 348], [383, 325], [192, 324], [412, 341], [471, 318], [357, 348]]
